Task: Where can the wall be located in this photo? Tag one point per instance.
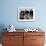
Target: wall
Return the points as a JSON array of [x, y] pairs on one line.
[[9, 13]]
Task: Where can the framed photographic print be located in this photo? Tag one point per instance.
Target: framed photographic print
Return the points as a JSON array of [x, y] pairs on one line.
[[26, 14]]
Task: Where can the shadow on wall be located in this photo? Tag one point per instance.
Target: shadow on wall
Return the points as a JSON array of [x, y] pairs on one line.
[[2, 26]]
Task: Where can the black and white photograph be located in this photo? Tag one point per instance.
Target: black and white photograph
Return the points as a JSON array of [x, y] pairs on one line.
[[26, 14]]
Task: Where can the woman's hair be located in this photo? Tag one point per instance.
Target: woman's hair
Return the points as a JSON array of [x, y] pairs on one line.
[[31, 12], [26, 12]]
